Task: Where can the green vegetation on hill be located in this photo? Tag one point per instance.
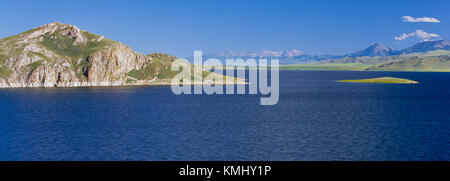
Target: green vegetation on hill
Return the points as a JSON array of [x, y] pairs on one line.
[[3, 57], [431, 64], [43, 57], [34, 65], [390, 80], [9, 46], [129, 81], [159, 67], [161, 63], [5, 72], [63, 45]]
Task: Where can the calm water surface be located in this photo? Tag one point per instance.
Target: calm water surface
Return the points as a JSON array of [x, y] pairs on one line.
[[316, 119]]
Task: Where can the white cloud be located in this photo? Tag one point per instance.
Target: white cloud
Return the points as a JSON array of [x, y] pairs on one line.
[[422, 19], [418, 33]]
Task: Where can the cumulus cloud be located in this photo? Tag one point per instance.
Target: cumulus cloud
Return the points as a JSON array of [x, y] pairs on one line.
[[418, 33], [422, 19]]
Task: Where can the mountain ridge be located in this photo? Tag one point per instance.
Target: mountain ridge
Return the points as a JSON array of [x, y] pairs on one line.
[[427, 46], [374, 50]]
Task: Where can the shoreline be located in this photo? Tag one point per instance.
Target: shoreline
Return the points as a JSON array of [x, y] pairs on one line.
[[381, 80], [125, 85], [281, 68]]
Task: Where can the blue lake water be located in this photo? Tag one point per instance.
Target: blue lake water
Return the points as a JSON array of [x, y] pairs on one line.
[[315, 119]]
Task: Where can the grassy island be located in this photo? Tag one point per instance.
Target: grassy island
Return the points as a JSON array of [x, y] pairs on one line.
[[389, 80]]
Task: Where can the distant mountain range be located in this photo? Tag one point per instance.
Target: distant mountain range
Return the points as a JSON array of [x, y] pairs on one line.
[[427, 46], [423, 56], [262, 54], [292, 56], [383, 51], [295, 56], [373, 51]]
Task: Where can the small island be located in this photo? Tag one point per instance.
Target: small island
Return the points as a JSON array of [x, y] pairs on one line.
[[388, 80]]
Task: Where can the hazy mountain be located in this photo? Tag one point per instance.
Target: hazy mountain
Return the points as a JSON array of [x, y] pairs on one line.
[[262, 54], [378, 50], [373, 51], [383, 51], [292, 56], [427, 46], [419, 63], [436, 60]]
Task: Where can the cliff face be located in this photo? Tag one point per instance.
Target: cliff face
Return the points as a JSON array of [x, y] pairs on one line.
[[61, 55]]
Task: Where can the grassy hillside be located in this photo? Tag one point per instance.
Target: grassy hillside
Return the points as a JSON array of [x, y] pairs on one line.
[[433, 64], [159, 67], [63, 45]]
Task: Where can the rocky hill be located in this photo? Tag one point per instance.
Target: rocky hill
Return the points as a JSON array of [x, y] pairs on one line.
[[62, 55]]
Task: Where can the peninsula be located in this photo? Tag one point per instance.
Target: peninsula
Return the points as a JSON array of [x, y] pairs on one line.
[[389, 80]]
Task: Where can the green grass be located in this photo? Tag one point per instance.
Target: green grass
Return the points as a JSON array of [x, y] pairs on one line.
[[3, 57], [5, 72], [129, 81], [9, 45], [63, 45], [15, 37], [390, 80], [90, 36], [162, 57], [160, 67], [416, 65], [33, 66], [11, 48], [137, 74], [43, 57]]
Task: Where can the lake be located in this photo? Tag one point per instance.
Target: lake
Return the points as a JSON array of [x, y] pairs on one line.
[[316, 119]]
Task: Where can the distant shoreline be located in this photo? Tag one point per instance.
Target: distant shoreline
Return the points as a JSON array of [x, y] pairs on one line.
[[383, 80]]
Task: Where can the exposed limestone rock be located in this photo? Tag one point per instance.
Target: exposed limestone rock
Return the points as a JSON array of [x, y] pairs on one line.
[[75, 33], [113, 64]]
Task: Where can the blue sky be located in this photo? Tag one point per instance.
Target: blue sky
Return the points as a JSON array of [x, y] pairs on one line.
[[179, 27]]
